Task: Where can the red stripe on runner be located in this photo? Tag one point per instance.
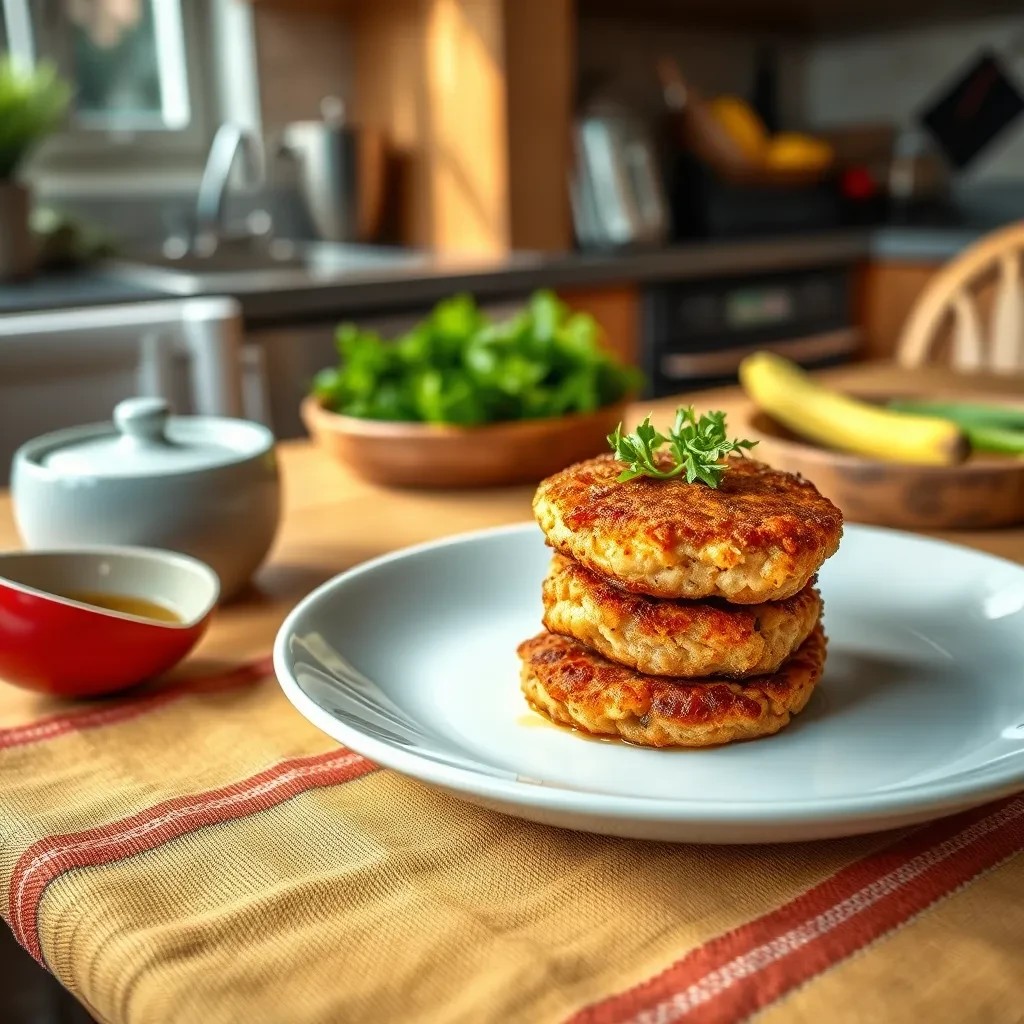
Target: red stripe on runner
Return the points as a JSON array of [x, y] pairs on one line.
[[49, 858], [742, 971], [111, 713]]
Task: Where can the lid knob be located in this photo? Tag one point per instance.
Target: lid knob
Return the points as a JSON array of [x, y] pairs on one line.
[[143, 419], [332, 110]]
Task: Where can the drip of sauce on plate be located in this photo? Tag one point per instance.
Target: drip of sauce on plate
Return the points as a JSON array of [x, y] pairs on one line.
[[532, 720], [125, 604]]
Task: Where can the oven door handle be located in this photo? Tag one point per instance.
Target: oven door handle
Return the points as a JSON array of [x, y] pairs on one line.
[[725, 362]]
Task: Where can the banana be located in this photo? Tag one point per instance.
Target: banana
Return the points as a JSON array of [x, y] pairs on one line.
[[812, 411]]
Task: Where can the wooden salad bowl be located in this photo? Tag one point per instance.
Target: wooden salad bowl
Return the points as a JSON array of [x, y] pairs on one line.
[[986, 491], [427, 455]]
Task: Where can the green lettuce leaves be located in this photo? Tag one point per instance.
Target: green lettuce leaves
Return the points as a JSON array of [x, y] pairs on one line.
[[460, 367]]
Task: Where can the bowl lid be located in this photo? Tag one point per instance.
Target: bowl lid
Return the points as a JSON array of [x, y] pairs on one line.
[[145, 440]]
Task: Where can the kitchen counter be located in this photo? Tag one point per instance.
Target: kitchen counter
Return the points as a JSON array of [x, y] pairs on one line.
[[347, 286], [436, 277], [921, 244], [65, 289]]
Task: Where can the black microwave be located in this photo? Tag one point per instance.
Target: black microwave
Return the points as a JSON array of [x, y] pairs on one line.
[[695, 333]]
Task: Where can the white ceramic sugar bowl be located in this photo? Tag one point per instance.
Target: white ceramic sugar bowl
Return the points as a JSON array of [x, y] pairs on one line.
[[206, 486]]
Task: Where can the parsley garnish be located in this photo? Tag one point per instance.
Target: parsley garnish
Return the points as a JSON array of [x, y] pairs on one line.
[[697, 448]]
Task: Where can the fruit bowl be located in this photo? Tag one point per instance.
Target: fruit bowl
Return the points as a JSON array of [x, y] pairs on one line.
[[984, 492], [426, 455]]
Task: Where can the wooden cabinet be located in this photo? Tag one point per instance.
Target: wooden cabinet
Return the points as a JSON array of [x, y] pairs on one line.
[[616, 307], [476, 97], [886, 293]]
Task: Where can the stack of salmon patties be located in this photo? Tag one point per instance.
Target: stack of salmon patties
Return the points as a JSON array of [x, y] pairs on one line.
[[679, 614]]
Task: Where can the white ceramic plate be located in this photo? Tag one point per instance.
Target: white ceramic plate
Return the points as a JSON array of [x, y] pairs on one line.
[[410, 660]]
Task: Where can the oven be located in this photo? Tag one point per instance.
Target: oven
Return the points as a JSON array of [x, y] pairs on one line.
[[695, 333]]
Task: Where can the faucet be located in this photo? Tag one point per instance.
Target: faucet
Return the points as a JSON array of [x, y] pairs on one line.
[[228, 142]]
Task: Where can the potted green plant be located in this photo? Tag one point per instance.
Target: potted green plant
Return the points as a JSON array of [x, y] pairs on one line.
[[32, 105]]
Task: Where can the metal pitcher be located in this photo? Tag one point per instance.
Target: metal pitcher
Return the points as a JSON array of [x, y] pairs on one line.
[[341, 173]]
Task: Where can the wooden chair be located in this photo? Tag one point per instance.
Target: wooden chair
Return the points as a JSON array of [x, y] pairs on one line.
[[950, 301]]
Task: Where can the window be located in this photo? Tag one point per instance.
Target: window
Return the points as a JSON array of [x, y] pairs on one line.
[[142, 73], [128, 60]]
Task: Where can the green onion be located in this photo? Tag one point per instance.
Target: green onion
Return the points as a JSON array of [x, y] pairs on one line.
[[996, 439], [965, 414], [988, 428]]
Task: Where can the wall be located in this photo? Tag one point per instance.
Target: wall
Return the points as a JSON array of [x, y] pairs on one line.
[[621, 54], [301, 57], [869, 77], [888, 76]]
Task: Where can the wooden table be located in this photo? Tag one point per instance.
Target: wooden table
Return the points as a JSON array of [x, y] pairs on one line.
[[333, 521]]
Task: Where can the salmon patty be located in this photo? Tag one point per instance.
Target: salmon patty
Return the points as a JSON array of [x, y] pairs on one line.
[[573, 686], [675, 638], [759, 536]]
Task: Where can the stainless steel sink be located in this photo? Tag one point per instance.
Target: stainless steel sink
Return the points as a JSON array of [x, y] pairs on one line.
[[257, 266], [228, 261], [218, 259]]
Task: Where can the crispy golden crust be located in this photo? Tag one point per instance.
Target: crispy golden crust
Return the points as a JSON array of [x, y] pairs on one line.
[[760, 536], [675, 638], [573, 686]]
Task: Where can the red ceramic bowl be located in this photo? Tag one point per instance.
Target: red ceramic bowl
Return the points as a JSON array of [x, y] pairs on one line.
[[59, 645]]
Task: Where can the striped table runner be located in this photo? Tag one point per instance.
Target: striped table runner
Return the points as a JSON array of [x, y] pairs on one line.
[[200, 853]]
